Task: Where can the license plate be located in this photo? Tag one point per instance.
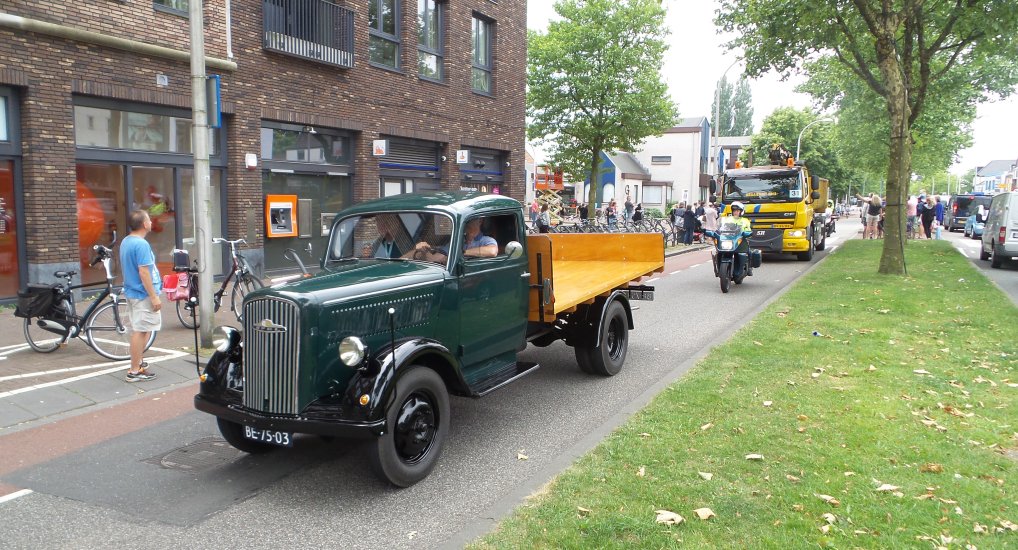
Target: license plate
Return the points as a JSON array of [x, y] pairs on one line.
[[640, 295], [283, 439]]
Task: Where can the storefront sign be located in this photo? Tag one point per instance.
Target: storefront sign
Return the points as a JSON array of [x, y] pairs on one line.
[[380, 147], [462, 156]]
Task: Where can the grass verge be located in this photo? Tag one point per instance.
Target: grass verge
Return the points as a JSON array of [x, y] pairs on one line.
[[896, 427]]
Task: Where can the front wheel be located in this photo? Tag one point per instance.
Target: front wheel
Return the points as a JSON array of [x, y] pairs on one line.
[[416, 426], [108, 331], [807, 256], [40, 339], [245, 284], [725, 274], [233, 433]]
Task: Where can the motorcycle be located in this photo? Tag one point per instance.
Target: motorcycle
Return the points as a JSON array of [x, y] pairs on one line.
[[730, 265]]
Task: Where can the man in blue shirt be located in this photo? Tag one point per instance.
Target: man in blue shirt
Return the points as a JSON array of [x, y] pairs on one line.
[[141, 288], [475, 245]]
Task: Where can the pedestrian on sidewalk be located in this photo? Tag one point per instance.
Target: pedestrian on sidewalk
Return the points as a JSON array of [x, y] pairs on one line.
[[141, 287]]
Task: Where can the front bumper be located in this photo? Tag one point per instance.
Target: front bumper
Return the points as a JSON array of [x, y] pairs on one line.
[[774, 240], [319, 421]]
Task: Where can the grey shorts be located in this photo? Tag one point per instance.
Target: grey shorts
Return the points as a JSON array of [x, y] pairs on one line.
[[872, 220], [143, 319]]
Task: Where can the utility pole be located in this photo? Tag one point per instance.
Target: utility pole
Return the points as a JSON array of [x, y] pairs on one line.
[[200, 148]]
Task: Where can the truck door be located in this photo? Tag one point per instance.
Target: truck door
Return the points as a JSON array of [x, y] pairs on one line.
[[493, 295]]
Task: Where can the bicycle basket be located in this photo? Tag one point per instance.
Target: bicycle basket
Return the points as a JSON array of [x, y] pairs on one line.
[[177, 286], [36, 300], [181, 260]]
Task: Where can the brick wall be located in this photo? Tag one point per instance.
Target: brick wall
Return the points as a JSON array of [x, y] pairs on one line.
[[366, 100]]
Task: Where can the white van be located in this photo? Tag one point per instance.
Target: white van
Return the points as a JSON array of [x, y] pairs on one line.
[[1000, 235]]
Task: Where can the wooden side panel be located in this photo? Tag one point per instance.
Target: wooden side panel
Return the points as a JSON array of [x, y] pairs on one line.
[[539, 254], [611, 247]]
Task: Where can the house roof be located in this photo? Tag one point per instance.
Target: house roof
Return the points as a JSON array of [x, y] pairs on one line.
[[629, 166], [691, 125], [995, 168]]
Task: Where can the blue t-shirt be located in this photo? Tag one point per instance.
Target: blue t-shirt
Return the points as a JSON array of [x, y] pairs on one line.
[[135, 252], [481, 240]]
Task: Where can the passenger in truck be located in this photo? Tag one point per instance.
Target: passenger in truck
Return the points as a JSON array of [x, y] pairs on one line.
[[476, 245]]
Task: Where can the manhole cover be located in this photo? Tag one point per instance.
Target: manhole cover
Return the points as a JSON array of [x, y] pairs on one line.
[[200, 455]]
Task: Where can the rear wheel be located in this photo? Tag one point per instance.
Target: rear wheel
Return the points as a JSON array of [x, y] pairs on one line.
[[233, 433], [823, 241], [244, 285], [184, 313], [108, 331], [40, 339], [995, 260], [983, 255], [609, 354], [416, 427]]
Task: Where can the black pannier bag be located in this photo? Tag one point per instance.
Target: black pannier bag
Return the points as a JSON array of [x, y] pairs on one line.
[[36, 300], [755, 257]]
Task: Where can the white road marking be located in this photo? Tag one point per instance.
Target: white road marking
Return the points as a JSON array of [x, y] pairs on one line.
[[120, 365], [14, 495], [676, 271], [652, 280]]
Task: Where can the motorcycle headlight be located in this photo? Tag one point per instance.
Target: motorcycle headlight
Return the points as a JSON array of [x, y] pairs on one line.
[[225, 338], [797, 233], [727, 245], [352, 351]]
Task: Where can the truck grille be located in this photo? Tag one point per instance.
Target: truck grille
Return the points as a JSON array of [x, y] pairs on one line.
[[271, 355]]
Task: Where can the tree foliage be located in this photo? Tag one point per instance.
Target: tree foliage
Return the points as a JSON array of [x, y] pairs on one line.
[[736, 108], [818, 148], [594, 82], [901, 50]]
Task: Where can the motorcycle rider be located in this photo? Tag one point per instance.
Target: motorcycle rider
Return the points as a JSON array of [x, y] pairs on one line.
[[737, 210]]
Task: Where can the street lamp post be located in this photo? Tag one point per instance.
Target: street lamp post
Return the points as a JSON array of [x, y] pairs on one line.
[[798, 142], [717, 118]]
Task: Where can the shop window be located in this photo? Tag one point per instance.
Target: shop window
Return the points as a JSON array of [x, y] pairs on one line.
[[481, 66], [97, 127], [305, 146], [8, 231], [383, 44], [429, 39], [4, 134], [101, 205], [185, 212]]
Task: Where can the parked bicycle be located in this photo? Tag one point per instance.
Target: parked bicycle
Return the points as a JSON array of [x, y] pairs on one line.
[[241, 274], [51, 315]]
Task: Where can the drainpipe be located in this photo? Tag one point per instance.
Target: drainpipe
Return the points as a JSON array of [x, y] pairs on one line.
[[229, 31]]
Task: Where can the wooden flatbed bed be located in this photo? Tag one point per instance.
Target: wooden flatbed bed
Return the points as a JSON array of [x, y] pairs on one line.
[[583, 266]]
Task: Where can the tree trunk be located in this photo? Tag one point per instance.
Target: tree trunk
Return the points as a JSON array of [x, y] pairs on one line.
[[899, 168], [595, 178]]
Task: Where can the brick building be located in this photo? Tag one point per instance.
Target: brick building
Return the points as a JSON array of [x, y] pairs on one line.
[[95, 117]]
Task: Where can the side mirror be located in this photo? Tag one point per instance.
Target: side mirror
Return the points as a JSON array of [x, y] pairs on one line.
[[815, 195], [514, 250], [814, 184], [713, 187]]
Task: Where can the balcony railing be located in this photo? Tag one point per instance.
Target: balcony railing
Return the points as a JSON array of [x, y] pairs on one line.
[[318, 30]]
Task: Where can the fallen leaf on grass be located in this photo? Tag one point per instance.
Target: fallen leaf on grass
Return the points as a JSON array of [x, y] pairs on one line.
[[871, 368], [754, 456], [704, 513], [791, 478], [706, 426], [921, 371], [798, 507], [931, 467], [830, 518], [1008, 525], [887, 488], [825, 529], [706, 475], [582, 512], [668, 517], [768, 403], [757, 343], [829, 500], [642, 471], [802, 418], [979, 528]]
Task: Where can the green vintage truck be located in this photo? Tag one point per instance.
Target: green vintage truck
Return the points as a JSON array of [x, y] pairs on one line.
[[419, 296]]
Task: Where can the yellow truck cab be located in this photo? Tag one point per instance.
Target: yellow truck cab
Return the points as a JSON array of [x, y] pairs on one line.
[[784, 204]]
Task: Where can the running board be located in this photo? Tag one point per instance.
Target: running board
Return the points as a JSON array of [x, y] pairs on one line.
[[506, 375]]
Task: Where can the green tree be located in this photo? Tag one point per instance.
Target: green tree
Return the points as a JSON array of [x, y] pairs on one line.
[[899, 49], [818, 150], [594, 82], [736, 108]]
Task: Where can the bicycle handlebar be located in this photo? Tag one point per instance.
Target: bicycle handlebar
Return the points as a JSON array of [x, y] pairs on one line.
[[103, 252], [220, 240]]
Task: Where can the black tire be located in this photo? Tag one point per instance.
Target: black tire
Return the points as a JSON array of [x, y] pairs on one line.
[[416, 424], [40, 339], [583, 359], [242, 287], [983, 255], [823, 242], [107, 336], [725, 274], [607, 357], [807, 256], [184, 315], [233, 433], [995, 260]]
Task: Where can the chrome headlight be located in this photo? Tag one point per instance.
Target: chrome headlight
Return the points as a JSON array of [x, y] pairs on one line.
[[225, 338], [727, 245], [352, 351], [796, 233]]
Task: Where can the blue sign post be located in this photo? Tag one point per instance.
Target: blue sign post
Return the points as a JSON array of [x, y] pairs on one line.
[[213, 100]]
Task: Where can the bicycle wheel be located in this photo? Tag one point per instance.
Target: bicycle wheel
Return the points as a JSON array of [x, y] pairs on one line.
[[242, 287], [108, 331], [40, 339], [184, 315]]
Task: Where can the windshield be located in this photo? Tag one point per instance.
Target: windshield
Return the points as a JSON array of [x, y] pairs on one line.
[[386, 236], [730, 227], [966, 206], [757, 188]]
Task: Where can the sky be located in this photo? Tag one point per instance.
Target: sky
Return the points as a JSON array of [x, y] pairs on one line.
[[697, 58]]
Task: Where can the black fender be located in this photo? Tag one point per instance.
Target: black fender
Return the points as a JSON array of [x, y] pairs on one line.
[[377, 382], [223, 371], [589, 322]]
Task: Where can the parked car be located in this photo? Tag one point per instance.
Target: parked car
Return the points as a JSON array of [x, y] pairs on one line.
[[1000, 235], [959, 207], [973, 227]]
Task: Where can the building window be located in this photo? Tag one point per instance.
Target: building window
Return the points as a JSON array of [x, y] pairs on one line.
[[113, 129], [429, 39], [480, 80], [661, 159], [652, 195], [176, 6], [4, 135], [383, 18]]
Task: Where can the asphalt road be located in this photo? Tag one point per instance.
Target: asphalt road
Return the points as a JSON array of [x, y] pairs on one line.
[[152, 472], [1006, 277]]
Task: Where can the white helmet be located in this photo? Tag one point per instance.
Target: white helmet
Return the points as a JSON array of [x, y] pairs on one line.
[[738, 205]]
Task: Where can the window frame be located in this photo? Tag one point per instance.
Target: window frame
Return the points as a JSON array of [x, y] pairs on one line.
[[488, 67], [376, 33], [158, 5], [439, 50], [660, 160]]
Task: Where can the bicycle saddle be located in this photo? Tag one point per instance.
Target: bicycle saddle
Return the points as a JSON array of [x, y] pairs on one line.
[[64, 274]]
